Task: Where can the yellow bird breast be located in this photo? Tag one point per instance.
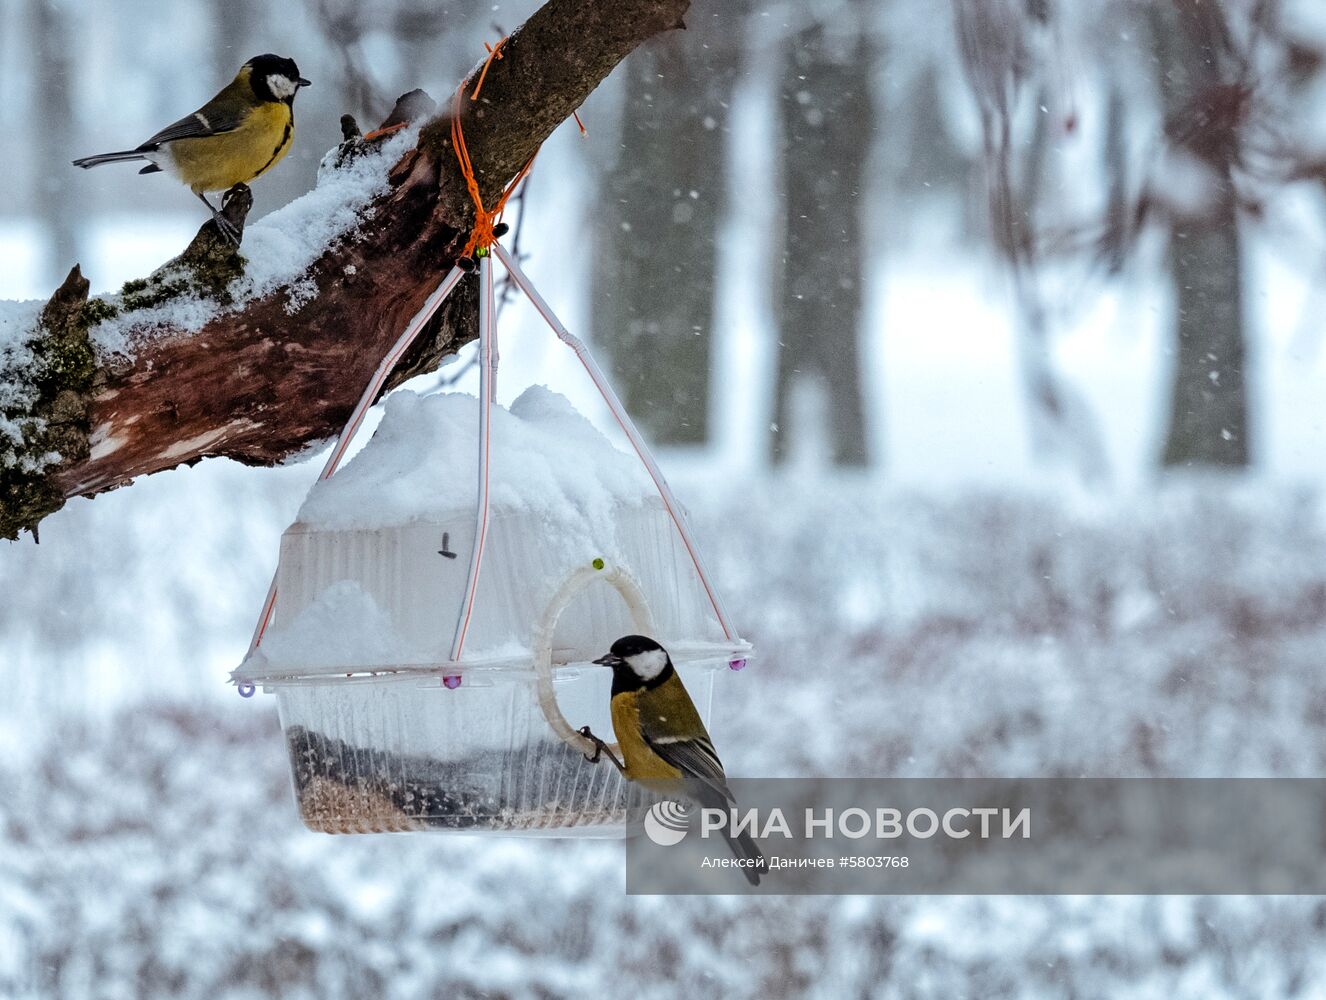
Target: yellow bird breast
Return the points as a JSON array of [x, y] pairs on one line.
[[642, 764], [219, 162]]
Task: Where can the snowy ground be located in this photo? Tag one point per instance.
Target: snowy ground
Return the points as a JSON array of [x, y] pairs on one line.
[[153, 849]]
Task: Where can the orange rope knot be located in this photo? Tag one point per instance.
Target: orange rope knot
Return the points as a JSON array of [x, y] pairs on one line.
[[482, 235]]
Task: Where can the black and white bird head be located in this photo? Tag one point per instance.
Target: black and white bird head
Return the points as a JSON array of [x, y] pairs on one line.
[[638, 656], [274, 78]]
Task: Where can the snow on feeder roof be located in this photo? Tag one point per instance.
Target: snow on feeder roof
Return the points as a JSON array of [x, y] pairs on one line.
[[428, 634], [550, 461], [378, 554]]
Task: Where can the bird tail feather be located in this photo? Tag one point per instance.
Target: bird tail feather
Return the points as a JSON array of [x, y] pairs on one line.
[[124, 156], [743, 844], [744, 847]]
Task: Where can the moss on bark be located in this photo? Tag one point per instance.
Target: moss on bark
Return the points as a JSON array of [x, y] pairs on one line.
[[54, 421]]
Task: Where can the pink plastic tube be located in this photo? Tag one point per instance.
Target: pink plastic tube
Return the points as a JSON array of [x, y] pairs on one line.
[[487, 389], [627, 426]]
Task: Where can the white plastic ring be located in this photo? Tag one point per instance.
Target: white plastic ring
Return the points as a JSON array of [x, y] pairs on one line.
[[644, 623]]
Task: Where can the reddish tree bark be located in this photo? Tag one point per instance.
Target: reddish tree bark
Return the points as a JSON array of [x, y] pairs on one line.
[[258, 385]]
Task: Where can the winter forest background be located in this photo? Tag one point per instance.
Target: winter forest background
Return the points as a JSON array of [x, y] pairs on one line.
[[984, 341]]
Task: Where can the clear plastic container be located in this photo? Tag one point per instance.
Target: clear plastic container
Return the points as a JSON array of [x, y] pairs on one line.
[[387, 732], [405, 752]]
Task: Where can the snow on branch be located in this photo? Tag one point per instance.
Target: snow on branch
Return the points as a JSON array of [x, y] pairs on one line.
[[256, 354]]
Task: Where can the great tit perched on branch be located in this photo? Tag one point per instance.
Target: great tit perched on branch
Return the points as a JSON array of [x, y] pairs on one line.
[[662, 739], [239, 134]]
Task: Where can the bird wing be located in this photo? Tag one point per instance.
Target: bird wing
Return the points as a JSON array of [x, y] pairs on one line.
[[693, 754], [695, 759], [201, 123]]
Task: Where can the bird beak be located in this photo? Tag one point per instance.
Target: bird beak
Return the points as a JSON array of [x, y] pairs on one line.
[[609, 661], [301, 82]]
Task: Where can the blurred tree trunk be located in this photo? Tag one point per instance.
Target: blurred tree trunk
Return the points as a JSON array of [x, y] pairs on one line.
[[57, 203], [932, 160], [827, 129], [658, 213], [1204, 103], [1118, 209], [231, 21]]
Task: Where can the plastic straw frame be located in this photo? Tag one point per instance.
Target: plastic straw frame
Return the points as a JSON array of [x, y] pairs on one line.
[[488, 364]]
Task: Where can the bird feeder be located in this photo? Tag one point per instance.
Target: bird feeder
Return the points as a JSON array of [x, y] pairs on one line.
[[428, 633]]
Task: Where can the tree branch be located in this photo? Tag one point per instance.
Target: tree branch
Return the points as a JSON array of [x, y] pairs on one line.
[[257, 384]]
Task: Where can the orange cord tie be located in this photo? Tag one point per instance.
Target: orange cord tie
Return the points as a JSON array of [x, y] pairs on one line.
[[494, 52], [386, 130], [482, 235]]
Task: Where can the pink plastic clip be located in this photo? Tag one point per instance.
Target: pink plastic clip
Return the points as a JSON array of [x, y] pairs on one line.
[[451, 681]]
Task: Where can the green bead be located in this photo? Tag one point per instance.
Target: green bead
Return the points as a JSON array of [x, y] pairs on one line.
[[597, 564]]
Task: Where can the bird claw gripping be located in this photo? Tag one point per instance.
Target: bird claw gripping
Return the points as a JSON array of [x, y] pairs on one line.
[[600, 748]]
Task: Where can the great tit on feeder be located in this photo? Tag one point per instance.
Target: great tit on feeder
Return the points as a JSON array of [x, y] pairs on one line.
[[662, 739], [239, 134]]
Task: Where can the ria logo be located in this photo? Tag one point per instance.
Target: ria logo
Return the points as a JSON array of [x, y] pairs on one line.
[[665, 823]]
